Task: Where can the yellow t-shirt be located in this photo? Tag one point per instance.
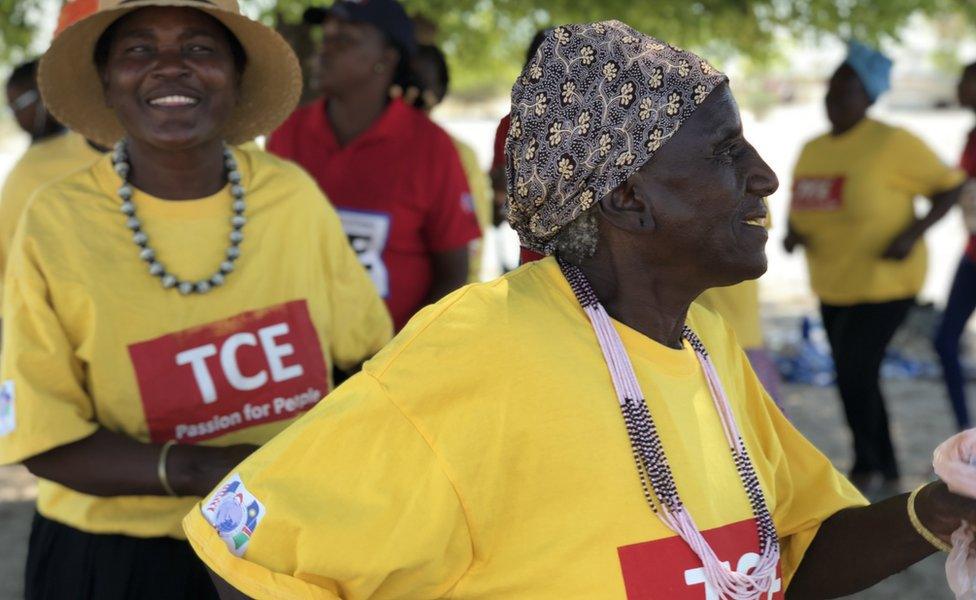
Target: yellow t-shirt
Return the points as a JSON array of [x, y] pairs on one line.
[[42, 163], [852, 195], [739, 306], [481, 197], [482, 454], [91, 339]]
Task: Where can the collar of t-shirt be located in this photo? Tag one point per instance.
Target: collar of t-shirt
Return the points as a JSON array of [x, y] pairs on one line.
[[390, 123]]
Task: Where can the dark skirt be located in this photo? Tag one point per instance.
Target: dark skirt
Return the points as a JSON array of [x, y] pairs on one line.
[[65, 563]]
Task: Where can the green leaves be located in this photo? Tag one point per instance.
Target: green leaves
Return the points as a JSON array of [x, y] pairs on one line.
[[19, 21], [485, 40]]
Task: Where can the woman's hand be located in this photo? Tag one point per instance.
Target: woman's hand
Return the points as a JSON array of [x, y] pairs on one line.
[[941, 511], [792, 240], [196, 470]]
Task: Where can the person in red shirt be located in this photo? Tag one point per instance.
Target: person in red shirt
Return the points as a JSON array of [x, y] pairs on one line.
[[393, 175], [962, 296]]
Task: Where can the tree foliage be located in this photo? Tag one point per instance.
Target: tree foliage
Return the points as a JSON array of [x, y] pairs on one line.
[[485, 39]]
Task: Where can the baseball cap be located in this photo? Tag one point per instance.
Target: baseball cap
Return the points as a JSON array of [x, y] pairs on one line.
[[386, 15]]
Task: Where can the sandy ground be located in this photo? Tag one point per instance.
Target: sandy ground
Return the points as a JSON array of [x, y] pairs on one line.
[[921, 421]]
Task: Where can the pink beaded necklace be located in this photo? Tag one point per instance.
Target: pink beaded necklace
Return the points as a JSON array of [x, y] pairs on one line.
[[652, 463]]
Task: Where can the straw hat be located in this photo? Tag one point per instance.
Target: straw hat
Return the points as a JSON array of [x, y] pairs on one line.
[[72, 89]]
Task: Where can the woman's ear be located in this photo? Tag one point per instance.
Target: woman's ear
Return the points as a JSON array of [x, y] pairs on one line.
[[627, 208]]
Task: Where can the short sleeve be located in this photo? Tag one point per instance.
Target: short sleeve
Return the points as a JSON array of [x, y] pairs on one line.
[[806, 486], [450, 221], [917, 169], [360, 320], [349, 502], [43, 402]]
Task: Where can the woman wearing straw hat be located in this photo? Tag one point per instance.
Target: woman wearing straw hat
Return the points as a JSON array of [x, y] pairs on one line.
[[174, 306], [619, 446]]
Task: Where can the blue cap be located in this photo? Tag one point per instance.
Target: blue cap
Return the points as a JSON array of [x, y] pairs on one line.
[[386, 15], [871, 66]]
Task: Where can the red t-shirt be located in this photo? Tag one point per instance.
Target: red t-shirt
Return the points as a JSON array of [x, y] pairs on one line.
[[399, 189], [968, 164]]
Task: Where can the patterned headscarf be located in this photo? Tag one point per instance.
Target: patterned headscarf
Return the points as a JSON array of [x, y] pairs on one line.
[[591, 108]]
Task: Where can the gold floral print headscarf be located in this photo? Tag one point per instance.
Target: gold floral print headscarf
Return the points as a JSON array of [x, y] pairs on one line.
[[591, 108]]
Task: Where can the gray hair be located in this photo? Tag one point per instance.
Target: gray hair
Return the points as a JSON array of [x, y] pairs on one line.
[[579, 239]]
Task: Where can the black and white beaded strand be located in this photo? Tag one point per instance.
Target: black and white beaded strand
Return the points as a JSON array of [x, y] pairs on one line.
[[120, 162], [654, 471]]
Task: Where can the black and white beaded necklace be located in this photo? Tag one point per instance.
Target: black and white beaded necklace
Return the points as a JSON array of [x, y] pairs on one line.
[[653, 469]]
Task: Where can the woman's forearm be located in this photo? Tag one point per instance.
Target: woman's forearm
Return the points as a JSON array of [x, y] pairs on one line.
[[856, 548], [941, 205], [111, 464]]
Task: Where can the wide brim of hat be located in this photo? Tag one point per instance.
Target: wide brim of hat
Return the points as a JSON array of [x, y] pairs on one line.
[[71, 87]]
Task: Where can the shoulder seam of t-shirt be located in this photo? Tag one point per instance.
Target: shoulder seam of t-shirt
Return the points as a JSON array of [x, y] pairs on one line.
[[259, 160], [430, 321], [438, 460], [50, 191], [442, 307]]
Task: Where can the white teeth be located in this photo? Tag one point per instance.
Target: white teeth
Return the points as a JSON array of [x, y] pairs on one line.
[[757, 222], [174, 101]]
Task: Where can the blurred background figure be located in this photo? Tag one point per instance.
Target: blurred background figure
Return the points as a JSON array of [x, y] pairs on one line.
[[55, 152], [24, 101], [394, 176], [853, 212], [433, 78], [962, 295]]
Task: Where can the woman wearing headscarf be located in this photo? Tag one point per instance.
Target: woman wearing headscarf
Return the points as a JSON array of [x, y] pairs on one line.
[[962, 296], [394, 176], [853, 211], [175, 305], [587, 432]]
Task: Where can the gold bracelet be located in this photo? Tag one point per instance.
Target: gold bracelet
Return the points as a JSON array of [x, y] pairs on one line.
[[161, 468], [921, 529]]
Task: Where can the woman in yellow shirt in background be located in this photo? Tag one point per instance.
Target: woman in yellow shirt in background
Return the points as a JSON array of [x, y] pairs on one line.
[[24, 100], [52, 155], [853, 212], [174, 306], [43, 163]]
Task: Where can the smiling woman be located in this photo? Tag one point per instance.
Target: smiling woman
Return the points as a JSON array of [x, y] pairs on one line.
[[149, 345]]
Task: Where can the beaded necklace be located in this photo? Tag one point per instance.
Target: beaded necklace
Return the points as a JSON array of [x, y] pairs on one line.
[[120, 163], [653, 470]]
